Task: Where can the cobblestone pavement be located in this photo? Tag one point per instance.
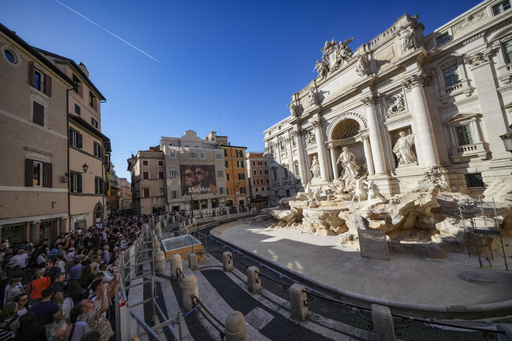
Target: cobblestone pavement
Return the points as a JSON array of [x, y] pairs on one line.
[[283, 329]]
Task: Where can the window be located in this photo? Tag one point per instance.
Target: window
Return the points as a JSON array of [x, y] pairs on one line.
[[256, 189], [241, 176], [285, 173], [145, 175], [474, 180], [78, 86], [254, 163], [98, 185], [225, 152], [97, 150], [294, 140], [242, 190], [266, 171], [92, 100], [145, 162], [220, 173], [507, 49], [274, 173], [226, 164], [227, 177], [75, 182], [451, 76], [265, 163], [443, 39], [221, 190], [172, 153], [146, 193], [218, 156], [94, 123], [161, 191], [40, 81], [160, 162], [192, 155], [261, 172], [175, 194], [38, 114], [271, 149], [501, 7], [255, 172], [38, 173], [282, 144], [464, 136], [267, 180], [240, 164], [227, 190], [202, 156], [173, 173], [239, 153], [160, 175], [77, 109], [75, 138], [11, 57]]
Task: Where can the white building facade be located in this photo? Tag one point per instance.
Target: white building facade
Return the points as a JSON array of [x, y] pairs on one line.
[[403, 103]]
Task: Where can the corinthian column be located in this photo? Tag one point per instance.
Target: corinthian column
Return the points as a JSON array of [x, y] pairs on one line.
[[300, 152], [320, 147], [368, 154], [425, 140], [377, 154], [333, 161]]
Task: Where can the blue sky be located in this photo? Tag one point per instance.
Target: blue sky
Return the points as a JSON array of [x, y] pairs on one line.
[[227, 66]]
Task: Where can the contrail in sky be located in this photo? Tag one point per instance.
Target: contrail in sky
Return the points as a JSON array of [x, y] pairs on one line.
[[104, 29]]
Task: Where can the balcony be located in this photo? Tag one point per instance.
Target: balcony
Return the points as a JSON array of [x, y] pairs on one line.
[[479, 149]]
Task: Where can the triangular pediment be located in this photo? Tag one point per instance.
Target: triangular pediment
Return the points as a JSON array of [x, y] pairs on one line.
[[462, 117]]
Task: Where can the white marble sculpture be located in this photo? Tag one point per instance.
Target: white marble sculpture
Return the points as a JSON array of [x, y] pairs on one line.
[[396, 104], [350, 168], [362, 67], [406, 35], [315, 167], [313, 94], [403, 149]]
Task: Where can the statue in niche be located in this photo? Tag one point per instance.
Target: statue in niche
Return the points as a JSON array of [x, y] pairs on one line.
[[403, 149], [350, 168], [362, 67], [396, 104], [315, 167], [406, 35]]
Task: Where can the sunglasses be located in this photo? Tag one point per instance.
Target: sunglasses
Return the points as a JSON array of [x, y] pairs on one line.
[[188, 175], [199, 173]]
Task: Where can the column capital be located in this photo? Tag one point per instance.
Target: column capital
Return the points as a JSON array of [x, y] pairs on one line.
[[419, 79], [316, 124], [479, 58], [369, 100]]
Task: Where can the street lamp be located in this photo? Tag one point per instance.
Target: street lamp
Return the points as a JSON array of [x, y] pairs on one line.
[[85, 167], [507, 139]]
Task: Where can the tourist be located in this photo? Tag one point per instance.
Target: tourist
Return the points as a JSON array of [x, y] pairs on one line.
[[47, 312], [30, 329], [95, 319], [22, 301], [50, 269], [64, 331], [14, 289], [21, 259], [10, 317], [36, 286], [58, 285]]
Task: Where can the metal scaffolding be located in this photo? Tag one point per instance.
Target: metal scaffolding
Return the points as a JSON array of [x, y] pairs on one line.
[[482, 230]]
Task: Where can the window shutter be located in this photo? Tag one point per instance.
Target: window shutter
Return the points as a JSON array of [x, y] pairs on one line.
[[48, 85], [29, 169], [79, 140], [79, 178], [48, 176], [32, 74]]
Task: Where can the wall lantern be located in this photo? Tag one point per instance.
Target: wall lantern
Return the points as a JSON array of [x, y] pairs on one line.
[[507, 139]]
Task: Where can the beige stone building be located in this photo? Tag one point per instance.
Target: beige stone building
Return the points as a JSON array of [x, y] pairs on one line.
[[33, 142], [258, 179], [147, 170], [125, 194], [402, 103], [54, 156], [89, 149]]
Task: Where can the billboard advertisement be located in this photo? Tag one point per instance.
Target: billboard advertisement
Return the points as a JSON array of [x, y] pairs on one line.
[[198, 180]]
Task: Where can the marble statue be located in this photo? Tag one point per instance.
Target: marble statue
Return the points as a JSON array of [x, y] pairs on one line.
[[362, 67], [373, 191], [403, 149], [360, 191], [350, 168], [312, 94], [406, 35], [315, 167], [310, 138], [321, 68]]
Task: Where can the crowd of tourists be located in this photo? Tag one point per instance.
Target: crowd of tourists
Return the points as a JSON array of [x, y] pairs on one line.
[[61, 290]]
